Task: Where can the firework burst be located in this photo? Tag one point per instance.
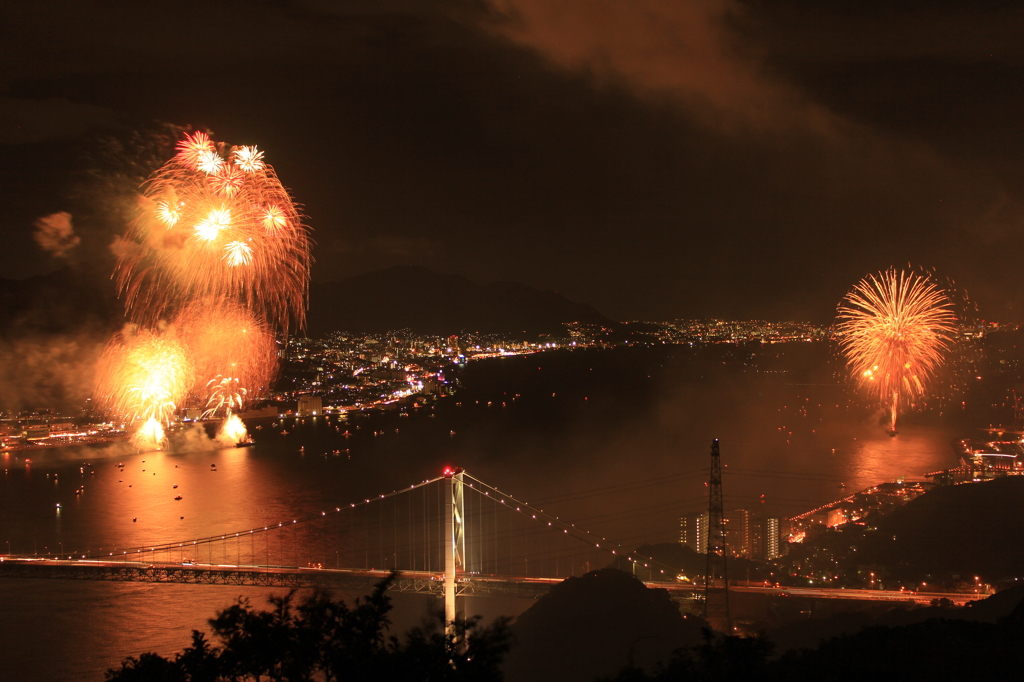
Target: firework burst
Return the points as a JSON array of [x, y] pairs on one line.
[[218, 250], [215, 223], [226, 393], [232, 430], [228, 343], [895, 329], [143, 377]]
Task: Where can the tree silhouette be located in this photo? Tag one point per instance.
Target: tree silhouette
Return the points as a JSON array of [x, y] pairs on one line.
[[323, 639]]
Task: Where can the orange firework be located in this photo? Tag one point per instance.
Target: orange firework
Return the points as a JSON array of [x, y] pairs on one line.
[[215, 223], [895, 328], [143, 376], [234, 352], [218, 248]]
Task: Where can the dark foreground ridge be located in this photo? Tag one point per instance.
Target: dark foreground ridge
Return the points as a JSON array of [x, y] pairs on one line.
[[604, 625]]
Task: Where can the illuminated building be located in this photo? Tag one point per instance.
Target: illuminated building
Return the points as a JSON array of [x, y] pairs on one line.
[[772, 532], [738, 532], [310, 405], [693, 531]]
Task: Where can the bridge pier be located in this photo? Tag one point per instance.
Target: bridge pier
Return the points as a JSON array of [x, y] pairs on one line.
[[454, 541]]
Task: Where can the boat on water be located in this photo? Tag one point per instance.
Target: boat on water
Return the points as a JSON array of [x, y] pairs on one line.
[[245, 443]]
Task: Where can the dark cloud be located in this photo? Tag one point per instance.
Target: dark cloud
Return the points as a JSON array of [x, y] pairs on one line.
[[688, 52], [818, 184], [24, 121], [653, 159]]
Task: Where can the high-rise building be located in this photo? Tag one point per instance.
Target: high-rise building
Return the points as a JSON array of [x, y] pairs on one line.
[[737, 532], [757, 536], [693, 531], [746, 534], [772, 533]]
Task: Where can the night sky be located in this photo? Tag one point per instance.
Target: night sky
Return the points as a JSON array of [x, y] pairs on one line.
[[657, 160]]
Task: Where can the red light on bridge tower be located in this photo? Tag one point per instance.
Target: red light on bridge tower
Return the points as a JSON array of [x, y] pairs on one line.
[[451, 471]]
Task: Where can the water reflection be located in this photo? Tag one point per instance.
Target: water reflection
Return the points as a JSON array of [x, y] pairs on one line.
[[623, 459], [914, 451]]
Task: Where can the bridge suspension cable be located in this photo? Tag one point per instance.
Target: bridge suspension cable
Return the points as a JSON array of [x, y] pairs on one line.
[[164, 546], [540, 517]]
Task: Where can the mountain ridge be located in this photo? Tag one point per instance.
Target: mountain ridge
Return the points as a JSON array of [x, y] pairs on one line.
[[426, 301], [73, 298]]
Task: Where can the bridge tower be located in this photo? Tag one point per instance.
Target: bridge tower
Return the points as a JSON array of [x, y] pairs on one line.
[[454, 540], [716, 594]]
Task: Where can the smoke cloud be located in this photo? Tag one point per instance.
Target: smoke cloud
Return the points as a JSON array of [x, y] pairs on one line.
[[55, 234], [689, 52], [55, 372]]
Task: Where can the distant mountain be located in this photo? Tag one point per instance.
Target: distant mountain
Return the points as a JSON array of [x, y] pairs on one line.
[[432, 303], [83, 298], [69, 300]]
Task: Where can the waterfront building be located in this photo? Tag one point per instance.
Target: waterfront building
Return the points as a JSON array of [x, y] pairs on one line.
[[310, 405]]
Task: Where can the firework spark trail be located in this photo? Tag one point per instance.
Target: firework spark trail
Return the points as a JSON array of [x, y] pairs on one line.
[[225, 393], [215, 225], [895, 329]]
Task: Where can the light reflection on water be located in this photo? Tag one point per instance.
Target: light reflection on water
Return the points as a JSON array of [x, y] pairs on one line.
[[97, 624], [551, 445], [878, 457]]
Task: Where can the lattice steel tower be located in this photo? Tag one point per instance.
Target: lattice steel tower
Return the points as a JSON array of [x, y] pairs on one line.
[[716, 575]]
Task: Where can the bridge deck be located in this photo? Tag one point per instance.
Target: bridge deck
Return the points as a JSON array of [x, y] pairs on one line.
[[267, 576], [406, 581]]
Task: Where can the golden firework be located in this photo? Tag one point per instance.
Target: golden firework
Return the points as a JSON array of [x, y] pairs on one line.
[[144, 375], [895, 329], [215, 225], [249, 159], [194, 148], [233, 430], [219, 250]]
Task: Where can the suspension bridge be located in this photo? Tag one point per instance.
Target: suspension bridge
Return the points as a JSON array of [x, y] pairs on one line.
[[452, 535]]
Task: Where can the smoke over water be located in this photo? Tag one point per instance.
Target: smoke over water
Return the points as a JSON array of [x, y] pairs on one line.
[[56, 372]]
